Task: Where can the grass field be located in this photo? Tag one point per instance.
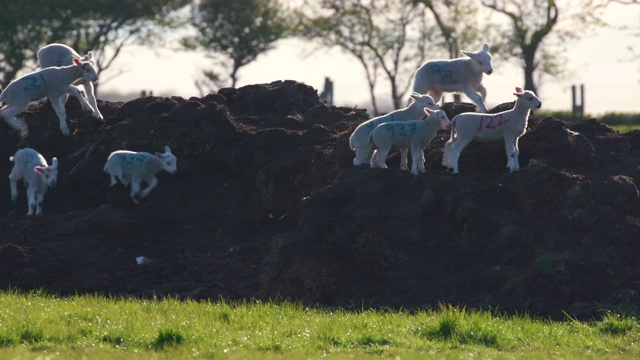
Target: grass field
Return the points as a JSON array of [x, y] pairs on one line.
[[40, 326], [621, 122]]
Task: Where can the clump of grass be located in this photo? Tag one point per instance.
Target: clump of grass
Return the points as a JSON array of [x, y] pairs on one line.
[[167, 338], [616, 324]]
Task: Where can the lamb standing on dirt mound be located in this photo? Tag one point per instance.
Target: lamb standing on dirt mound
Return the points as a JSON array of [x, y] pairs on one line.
[[509, 125], [54, 83], [62, 55], [137, 167], [359, 140], [29, 165], [461, 74], [413, 134]]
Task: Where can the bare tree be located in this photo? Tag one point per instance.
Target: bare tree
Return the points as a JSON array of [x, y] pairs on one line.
[[389, 38], [452, 18], [540, 30], [379, 35], [107, 27]]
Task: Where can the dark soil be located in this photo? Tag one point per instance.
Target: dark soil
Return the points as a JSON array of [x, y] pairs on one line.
[[266, 204]]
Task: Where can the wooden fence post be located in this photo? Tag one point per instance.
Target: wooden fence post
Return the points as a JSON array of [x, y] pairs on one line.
[[577, 110]]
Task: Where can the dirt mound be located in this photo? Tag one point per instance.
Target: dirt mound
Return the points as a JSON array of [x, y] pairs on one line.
[[267, 203]]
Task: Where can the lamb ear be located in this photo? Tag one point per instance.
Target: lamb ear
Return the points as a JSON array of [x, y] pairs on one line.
[[54, 162], [485, 47], [518, 91], [428, 111], [466, 53], [167, 149], [38, 169], [89, 55]]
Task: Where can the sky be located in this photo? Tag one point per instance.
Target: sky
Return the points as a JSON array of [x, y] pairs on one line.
[[600, 62]]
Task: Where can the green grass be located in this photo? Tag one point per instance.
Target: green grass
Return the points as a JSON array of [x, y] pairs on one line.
[[621, 122], [623, 128], [39, 326]]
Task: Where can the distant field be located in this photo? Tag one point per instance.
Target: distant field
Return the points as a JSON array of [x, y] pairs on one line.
[[621, 122]]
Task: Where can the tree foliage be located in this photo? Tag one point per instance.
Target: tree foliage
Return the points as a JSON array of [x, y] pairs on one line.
[[235, 33], [104, 26], [24, 27]]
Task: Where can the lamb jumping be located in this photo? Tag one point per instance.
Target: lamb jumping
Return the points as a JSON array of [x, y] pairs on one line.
[[509, 125], [412, 134], [137, 167], [54, 83], [359, 140], [62, 55], [461, 74], [30, 166]]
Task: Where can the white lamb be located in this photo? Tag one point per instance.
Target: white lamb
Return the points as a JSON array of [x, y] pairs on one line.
[[54, 83], [137, 167], [30, 166], [459, 75], [359, 140], [412, 134], [62, 55], [509, 125]]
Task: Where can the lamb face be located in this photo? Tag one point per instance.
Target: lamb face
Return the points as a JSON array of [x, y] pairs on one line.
[[482, 61], [528, 98], [88, 72], [443, 119], [169, 161], [423, 101], [49, 174]]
